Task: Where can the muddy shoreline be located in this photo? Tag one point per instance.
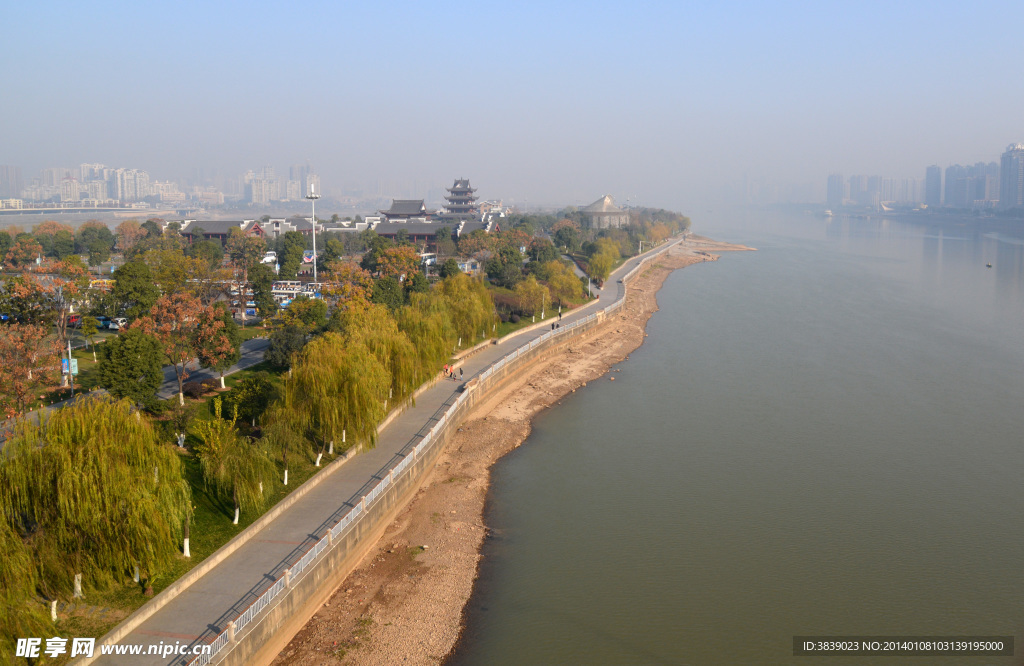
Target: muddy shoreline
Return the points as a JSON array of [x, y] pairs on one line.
[[405, 602]]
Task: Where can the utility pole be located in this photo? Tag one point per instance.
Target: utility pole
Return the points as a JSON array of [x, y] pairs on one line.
[[313, 196]]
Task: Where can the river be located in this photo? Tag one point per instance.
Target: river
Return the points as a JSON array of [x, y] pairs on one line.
[[823, 437]]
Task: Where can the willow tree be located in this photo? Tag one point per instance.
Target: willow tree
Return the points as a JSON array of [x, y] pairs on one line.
[[375, 328], [337, 389], [531, 295], [233, 465], [20, 616], [93, 494], [427, 322], [469, 305]]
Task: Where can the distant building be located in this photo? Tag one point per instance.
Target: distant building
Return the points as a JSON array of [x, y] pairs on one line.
[[836, 192], [1011, 177], [11, 184], [218, 230], [460, 201], [404, 210], [972, 186], [933, 186], [603, 214]]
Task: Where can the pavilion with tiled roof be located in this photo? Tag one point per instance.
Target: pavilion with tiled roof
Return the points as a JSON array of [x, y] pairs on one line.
[[603, 214]]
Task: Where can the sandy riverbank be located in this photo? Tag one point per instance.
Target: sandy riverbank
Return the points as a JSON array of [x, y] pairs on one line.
[[404, 603]]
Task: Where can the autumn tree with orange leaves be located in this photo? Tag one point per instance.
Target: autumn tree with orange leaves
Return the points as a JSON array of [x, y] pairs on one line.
[[399, 261], [347, 286], [23, 253], [29, 362], [186, 329]]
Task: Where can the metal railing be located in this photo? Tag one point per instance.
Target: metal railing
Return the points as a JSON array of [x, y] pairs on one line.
[[358, 511]]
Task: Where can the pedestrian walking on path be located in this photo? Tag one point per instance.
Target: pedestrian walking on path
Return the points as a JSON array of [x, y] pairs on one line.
[[460, 374]]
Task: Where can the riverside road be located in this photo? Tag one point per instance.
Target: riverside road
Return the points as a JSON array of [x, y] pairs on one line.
[[202, 611]]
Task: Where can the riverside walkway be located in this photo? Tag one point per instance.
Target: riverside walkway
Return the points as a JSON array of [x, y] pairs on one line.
[[203, 610]]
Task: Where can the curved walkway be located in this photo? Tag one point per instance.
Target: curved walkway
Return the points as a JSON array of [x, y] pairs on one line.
[[202, 611]]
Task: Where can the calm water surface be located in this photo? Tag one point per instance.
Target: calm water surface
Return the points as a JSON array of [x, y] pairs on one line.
[[821, 437]]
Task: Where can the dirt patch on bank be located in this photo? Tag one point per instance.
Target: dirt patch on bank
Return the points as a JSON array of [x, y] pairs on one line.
[[404, 603]]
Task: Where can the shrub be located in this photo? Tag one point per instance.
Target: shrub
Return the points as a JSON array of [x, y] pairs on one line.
[[193, 389], [210, 384]]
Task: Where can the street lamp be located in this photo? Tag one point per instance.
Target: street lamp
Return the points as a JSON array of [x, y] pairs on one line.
[[313, 196]]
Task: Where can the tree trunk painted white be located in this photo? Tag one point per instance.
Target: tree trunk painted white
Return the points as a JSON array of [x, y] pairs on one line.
[[343, 436], [286, 477], [78, 587], [235, 521], [261, 487], [53, 610], [94, 359], [222, 382], [330, 448], [318, 457], [181, 398], [135, 574], [186, 550], [156, 474], [181, 440]]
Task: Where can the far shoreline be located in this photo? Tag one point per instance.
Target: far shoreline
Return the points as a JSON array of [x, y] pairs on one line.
[[408, 600]]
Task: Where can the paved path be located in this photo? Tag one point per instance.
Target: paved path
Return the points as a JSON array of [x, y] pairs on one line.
[[252, 353], [203, 610]]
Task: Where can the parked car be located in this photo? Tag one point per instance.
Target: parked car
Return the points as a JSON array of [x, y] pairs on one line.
[[102, 322], [118, 323], [74, 320]]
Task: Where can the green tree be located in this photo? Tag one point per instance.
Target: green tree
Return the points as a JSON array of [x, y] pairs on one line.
[[337, 387], [90, 327], [307, 312], [20, 616], [284, 343], [469, 306], [134, 291], [96, 239], [251, 396], [94, 495], [293, 245], [63, 244], [208, 251], [130, 366], [532, 296], [388, 291], [232, 465], [6, 243], [443, 243], [449, 268], [542, 250], [261, 277]]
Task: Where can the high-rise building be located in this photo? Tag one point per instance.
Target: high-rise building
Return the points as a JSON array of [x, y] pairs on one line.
[[11, 184], [933, 186], [1011, 177], [836, 192]]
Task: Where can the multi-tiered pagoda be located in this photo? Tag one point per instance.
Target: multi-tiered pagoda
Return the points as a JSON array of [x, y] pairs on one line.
[[461, 202]]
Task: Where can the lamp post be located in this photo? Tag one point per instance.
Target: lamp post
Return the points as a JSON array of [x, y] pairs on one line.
[[313, 196]]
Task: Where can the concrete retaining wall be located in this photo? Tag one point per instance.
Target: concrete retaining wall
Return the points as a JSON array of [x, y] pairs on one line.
[[267, 632]]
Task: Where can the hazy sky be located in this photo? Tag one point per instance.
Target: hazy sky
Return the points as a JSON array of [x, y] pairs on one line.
[[548, 102]]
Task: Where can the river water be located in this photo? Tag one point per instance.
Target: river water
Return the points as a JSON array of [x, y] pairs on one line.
[[823, 437]]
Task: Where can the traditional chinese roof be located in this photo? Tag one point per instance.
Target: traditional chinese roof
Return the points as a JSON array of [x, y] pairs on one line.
[[603, 205], [462, 185], [406, 208], [218, 227]]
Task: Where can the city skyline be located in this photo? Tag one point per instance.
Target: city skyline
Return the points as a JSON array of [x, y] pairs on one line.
[[668, 105]]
